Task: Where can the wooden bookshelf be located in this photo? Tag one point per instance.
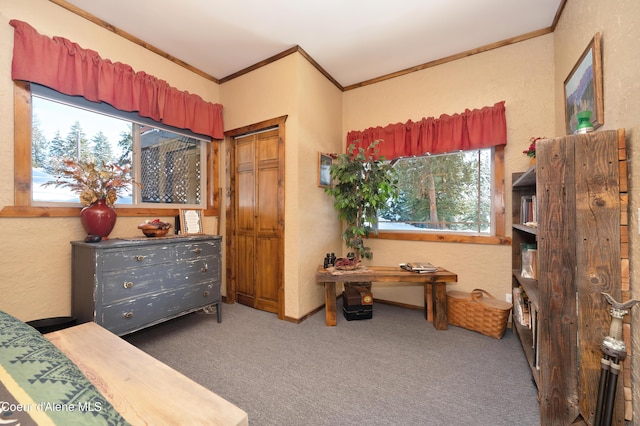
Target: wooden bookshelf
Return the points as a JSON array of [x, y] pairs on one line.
[[579, 185]]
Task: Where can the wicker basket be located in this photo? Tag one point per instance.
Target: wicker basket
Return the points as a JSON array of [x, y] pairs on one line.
[[478, 311]]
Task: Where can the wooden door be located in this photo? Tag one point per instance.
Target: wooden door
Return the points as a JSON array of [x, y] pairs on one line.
[[258, 220]]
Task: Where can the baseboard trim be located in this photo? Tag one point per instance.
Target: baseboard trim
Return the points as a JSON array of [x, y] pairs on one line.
[[321, 307], [402, 305], [304, 317]]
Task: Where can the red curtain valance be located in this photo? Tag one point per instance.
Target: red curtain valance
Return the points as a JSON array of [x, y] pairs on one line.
[[472, 129], [66, 67]]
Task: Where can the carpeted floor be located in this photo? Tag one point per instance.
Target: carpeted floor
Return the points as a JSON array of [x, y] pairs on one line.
[[393, 369]]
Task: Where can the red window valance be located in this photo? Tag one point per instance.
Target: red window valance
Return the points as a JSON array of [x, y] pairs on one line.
[[66, 67], [472, 129]]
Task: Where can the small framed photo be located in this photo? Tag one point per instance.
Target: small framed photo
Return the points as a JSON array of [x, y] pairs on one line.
[[324, 165], [191, 221], [583, 88]]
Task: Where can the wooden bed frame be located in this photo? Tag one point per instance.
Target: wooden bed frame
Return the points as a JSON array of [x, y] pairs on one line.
[[142, 389]]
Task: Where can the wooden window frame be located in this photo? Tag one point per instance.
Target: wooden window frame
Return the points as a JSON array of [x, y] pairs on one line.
[[23, 172], [500, 237]]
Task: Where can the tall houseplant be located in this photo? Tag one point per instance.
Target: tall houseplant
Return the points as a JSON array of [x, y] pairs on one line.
[[362, 183]]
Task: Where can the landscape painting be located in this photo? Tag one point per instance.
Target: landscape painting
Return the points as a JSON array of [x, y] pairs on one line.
[[583, 87]]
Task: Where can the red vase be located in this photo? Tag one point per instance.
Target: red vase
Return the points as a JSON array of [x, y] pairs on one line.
[[98, 219]]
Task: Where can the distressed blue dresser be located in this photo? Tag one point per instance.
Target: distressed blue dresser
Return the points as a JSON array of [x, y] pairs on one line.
[[125, 285]]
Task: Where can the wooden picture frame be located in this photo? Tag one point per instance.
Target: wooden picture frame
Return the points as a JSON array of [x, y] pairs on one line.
[[324, 165], [583, 87], [191, 222]]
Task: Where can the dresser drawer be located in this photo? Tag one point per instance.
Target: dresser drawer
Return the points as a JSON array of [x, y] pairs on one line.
[[197, 249], [115, 260], [136, 313], [127, 283], [196, 270]]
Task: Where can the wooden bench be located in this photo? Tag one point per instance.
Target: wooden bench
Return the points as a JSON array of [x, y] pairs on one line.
[[142, 389], [435, 292]]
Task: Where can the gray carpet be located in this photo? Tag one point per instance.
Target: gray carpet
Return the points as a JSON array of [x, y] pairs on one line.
[[393, 369]]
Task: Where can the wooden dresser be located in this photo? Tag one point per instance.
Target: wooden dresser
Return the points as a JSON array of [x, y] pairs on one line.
[[125, 285]]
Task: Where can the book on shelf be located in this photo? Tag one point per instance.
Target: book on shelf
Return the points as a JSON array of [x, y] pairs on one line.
[[535, 337], [419, 267], [528, 210], [534, 211], [521, 307], [529, 261]]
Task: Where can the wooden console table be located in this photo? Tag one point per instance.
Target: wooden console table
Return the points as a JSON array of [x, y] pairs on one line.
[[435, 292]]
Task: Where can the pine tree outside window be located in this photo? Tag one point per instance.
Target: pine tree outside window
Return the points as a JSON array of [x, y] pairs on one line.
[[166, 162], [446, 193]]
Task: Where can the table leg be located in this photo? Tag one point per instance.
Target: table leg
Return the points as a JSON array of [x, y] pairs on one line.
[[428, 302], [330, 303], [439, 306]]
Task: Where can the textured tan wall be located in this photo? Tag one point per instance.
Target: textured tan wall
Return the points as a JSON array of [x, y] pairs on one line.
[[35, 263], [520, 74], [291, 86], [318, 227], [619, 25]]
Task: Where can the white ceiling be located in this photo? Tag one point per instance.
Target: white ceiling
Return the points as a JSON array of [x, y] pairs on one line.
[[353, 40]]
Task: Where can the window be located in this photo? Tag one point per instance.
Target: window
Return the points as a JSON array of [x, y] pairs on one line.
[[24, 206], [454, 197], [444, 193], [166, 163]]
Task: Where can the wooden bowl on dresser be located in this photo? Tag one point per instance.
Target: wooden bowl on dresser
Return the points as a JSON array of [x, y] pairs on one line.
[[154, 231]]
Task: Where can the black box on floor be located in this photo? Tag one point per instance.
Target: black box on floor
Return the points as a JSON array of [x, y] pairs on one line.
[[357, 303], [354, 314]]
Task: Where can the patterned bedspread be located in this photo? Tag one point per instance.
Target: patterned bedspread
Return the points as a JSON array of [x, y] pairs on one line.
[[41, 386]]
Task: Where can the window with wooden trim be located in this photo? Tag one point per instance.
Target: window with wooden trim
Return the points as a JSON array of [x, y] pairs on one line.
[[454, 197], [180, 168]]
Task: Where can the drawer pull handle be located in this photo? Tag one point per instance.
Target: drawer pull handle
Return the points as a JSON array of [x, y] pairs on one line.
[[205, 294], [205, 268], [140, 258], [127, 315], [197, 250], [127, 284]]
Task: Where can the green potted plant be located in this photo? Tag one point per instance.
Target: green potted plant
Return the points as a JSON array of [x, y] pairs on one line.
[[361, 184]]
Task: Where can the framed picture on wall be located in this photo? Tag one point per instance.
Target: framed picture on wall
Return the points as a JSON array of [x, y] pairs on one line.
[[583, 88], [191, 221], [324, 164]]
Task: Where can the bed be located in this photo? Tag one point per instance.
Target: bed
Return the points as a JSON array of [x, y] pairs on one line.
[[86, 375]]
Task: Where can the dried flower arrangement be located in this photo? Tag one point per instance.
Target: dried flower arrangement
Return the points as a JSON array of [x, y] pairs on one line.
[[91, 181]]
